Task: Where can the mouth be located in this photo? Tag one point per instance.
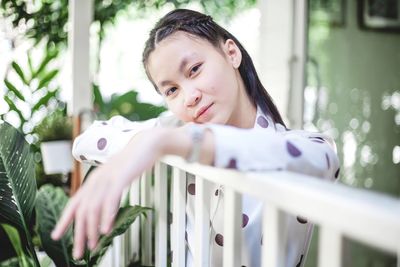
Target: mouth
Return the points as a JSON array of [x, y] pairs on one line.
[[202, 110]]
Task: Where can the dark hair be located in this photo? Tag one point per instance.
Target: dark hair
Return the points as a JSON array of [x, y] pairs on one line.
[[203, 26]]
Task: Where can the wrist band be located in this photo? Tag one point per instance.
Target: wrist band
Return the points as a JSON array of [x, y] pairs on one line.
[[197, 134]]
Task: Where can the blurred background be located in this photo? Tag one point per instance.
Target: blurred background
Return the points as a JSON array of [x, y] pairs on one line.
[[331, 66]]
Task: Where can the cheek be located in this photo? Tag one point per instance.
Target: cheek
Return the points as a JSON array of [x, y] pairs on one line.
[[220, 80], [177, 108]]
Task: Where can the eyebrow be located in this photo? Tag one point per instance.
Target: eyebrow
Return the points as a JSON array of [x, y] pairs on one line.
[[183, 64]]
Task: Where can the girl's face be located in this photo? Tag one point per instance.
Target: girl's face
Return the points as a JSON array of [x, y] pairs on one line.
[[199, 82]]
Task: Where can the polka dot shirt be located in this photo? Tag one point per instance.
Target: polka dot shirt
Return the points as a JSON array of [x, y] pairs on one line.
[[267, 146]]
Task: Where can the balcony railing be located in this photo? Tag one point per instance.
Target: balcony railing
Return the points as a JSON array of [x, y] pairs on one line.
[[338, 210]]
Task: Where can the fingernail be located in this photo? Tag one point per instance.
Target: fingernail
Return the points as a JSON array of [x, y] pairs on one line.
[[53, 235], [76, 256]]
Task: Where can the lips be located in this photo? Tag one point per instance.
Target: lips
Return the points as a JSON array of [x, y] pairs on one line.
[[202, 110]]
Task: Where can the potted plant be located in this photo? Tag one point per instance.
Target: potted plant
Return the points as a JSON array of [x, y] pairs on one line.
[[55, 134]]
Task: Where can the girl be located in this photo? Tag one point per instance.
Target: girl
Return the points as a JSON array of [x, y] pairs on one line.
[[223, 117]]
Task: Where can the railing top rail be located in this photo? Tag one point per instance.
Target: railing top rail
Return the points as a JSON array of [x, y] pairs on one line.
[[370, 217]]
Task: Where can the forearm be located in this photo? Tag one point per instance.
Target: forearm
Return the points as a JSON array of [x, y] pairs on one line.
[[177, 141]]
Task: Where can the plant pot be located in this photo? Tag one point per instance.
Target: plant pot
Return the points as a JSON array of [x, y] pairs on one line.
[[57, 156]]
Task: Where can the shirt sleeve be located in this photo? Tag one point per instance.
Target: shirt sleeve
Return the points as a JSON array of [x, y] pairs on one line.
[[105, 138], [258, 149]]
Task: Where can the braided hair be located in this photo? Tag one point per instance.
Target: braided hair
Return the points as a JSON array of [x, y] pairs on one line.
[[203, 26]]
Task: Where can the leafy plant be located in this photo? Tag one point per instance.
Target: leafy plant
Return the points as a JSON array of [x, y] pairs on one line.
[[56, 126], [19, 198], [47, 19], [31, 90], [126, 105], [17, 184]]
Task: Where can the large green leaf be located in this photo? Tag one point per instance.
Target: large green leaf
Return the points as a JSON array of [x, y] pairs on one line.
[[125, 217], [17, 178], [50, 203], [17, 181]]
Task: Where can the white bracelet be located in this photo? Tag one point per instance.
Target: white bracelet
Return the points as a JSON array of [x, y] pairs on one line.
[[197, 134]]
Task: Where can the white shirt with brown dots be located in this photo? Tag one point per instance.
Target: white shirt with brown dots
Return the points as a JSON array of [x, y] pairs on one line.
[[267, 146]]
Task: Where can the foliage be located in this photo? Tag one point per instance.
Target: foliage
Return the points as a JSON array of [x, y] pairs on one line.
[[48, 19], [19, 198], [56, 126], [32, 90], [50, 203], [17, 183], [126, 105]]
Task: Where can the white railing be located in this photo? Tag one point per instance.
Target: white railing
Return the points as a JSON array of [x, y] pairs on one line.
[[339, 210]]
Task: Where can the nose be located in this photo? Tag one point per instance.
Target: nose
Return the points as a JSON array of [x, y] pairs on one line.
[[192, 97]]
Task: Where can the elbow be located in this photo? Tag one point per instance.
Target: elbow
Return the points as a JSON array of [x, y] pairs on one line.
[[76, 149]]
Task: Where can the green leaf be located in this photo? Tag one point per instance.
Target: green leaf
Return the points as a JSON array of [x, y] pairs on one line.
[[13, 89], [44, 100], [19, 71], [13, 262], [46, 262], [50, 203], [13, 107], [49, 57], [13, 235], [47, 79], [17, 182], [98, 98], [30, 65], [125, 217]]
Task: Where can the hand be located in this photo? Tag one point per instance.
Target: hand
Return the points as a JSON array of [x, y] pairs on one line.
[[96, 203]]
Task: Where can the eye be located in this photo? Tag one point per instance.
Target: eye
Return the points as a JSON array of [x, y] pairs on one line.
[[195, 69], [170, 91]]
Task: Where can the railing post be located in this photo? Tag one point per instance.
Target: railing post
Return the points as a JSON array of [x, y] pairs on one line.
[[329, 247], [179, 217], [133, 240], [273, 247], [146, 222], [202, 223], [161, 215], [232, 228]]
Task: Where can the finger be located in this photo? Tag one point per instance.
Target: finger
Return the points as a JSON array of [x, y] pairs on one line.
[[93, 223], [109, 211], [66, 218], [79, 233]]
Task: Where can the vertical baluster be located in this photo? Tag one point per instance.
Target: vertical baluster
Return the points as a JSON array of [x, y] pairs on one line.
[[232, 227], [202, 222], [117, 248], [161, 219], [179, 217], [273, 248], [132, 249], [398, 256], [329, 247], [146, 222]]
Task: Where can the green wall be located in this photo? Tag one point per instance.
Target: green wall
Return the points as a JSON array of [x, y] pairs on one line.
[[359, 89]]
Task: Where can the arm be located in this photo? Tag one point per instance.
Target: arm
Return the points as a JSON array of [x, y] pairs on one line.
[[98, 199], [104, 139]]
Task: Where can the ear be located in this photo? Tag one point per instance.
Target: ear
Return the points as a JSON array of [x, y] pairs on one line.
[[232, 52]]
